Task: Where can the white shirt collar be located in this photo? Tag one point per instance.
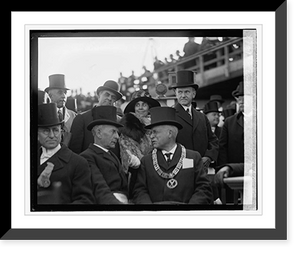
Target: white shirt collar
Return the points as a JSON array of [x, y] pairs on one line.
[[47, 153], [105, 149], [171, 151]]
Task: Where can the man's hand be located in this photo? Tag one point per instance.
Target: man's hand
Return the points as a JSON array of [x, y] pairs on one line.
[[221, 174]]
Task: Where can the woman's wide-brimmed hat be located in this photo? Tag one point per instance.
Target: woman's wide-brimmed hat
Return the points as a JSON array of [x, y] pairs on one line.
[[48, 116], [184, 79], [140, 96], [163, 116], [211, 106], [56, 81], [112, 86], [104, 115]]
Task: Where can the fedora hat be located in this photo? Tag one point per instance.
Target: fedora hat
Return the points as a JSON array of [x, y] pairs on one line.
[[112, 86], [56, 81], [140, 96], [104, 115], [239, 91], [211, 106], [216, 98], [47, 115], [184, 79], [163, 116]]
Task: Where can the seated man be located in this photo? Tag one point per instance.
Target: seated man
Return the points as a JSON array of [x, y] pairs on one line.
[[109, 180], [171, 173], [59, 165]]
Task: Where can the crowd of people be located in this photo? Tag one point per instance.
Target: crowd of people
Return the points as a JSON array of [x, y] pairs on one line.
[[147, 154]]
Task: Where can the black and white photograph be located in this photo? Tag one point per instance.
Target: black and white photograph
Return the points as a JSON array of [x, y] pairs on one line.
[[143, 120], [148, 126]]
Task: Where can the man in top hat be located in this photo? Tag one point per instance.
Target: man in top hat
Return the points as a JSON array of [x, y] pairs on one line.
[[171, 173], [107, 94], [109, 180], [212, 112], [232, 137], [57, 91], [196, 133], [58, 164]]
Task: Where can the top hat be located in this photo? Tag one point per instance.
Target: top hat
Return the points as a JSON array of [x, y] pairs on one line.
[[211, 106], [56, 81], [47, 115], [239, 91], [140, 96], [163, 116], [104, 115], [217, 98], [112, 86], [184, 79]]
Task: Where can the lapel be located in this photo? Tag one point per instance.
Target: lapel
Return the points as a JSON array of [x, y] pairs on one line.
[[176, 156], [107, 156], [196, 118], [183, 114], [240, 119], [59, 159]]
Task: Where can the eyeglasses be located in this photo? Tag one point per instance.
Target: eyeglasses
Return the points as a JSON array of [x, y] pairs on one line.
[[46, 131]]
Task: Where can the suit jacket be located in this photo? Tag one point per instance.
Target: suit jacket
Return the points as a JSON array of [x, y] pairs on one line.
[[74, 174], [218, 131], [108, 176], [232, 140], [193, 185], [196, 133], [81, 137]]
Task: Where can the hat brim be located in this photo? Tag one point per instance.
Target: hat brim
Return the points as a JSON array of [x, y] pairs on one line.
[[131, 105], [166, 122], [51, 125], [205, 112], [52, 88], [195, 86], [102, 122], [102, 88]]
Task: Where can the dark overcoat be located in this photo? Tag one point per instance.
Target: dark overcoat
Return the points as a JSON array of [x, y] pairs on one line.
[[193, 185], [196, 133], [108, 176], [232, 140], [74, 174]]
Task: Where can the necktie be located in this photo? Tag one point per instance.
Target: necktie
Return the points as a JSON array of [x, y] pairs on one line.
[[60, 115], [168, 155], [188, 111]]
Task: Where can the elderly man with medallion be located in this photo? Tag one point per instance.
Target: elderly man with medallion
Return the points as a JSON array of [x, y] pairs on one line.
[[57, 91], [58, 164], [171, 173], [107, 94], [110, 184]]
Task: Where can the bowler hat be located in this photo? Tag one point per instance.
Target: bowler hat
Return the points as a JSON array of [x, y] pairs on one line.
[[104, 115], [184, 79], [140, 96], [163, 116], [239, 91], [216, 98], [211, 106], [112, 86], [56, 81], [47, 115]]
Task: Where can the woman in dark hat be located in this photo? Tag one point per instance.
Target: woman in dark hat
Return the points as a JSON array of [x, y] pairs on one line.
[[134, 138]]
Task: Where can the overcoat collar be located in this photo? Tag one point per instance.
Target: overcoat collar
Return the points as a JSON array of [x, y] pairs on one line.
[[240, 119], [186, 117], [108, 156], [60, 158], [162, 161]]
